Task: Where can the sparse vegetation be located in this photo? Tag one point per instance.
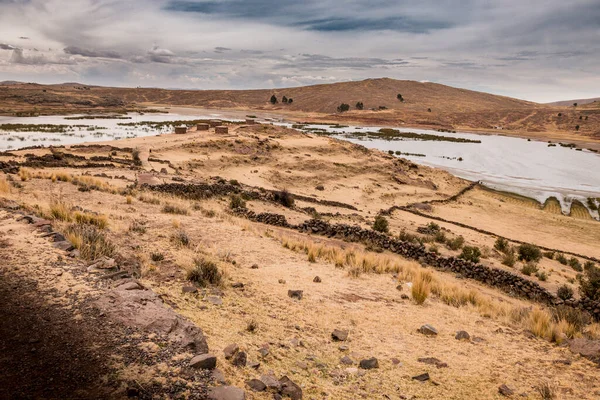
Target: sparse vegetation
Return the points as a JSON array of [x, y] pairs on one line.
[[561, 259], [470, 253], [509, 259], [421, 286], [135, 156], [4, 185], [360, 105], [529, 269], [204, 272], [157, 256], [501, 245], [564, 292], [575, 264], [174, 209], [273, 99], [529, 253], [91, 242], [180, 238], [589, 283], [284, 198], [343, 107], [381, 224], [236, 201], [399, 97], [137, 227], [455, 243]]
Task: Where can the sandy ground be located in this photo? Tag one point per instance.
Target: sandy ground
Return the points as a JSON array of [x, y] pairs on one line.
[[298, 333]]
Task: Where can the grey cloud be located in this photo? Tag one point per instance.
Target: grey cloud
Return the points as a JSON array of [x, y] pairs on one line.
[[4, 46], [18, 57], [74, 50]]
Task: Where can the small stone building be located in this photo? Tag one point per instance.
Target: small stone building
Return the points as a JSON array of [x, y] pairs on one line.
[[181, 129], [202, 127], [221, 129], [215, 122]]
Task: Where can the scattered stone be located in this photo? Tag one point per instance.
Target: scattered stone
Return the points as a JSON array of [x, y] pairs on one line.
[[404, 296], [369, 363], [218, 376], [133, 392], [317, 279], [257, 385], [395, 361], [230, 350], [290, 389], [339, 335], [302, 365], [263, 351], [399, 288], [64, 246], [346, 360], [204, 361], [343, 348], [505, 390], [421, 378], [226, 393], [237, 285], [239, 359], [433, 361], [271, 382], [428, 330], [214, 300], [254, 364], [189, 289], [296, 294], [104, 263], [462, 335], [254, 266], [130, 286], [282, 281]]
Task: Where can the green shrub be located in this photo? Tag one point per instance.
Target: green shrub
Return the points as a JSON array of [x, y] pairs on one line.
[[575, 264], [529, 269], [509, 258], [564, 292], [456, 243], [549, 254], [529, 252], [135, 156], [440, 237], [236, 201], [204, 272], [501, 245], [471, 253], [434, 249], [588, 265], [589, 283], [157, 257], [576, 317], [173, 209], [433, 227], [381, 224], [343, 107], [181, 238], [542, 276], [562, 259]]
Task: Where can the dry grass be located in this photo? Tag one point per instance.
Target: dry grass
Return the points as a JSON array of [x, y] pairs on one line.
[[129, 200], [25, 174], [204, 272], [91, 242], [175, 209], [61, 211], [4, 185], [146, 198], [91, 219], [424, 283]]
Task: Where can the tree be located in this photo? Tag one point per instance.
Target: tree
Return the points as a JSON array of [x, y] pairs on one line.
[[381, 224], [360, 105], [399, 97], [284, 99], [429, 110], [273, 99], [343, 107], [290, 100], [529, 253], [576, 127], [574, 104]]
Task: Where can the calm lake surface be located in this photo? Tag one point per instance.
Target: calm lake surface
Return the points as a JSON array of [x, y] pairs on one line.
[[529, 168]]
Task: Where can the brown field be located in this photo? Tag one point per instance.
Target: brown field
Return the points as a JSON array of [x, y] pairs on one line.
[[514, 341], [451, 108]]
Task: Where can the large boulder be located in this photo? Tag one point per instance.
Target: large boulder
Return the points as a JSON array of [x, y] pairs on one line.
[[204, 361]]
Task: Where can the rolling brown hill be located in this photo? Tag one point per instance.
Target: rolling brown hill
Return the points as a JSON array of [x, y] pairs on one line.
[[579, 102], [425, 104]]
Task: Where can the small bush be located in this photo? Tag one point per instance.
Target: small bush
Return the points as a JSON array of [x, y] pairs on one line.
[[343, 107], [137, 227], [284, 198], [381, 224], [529, 269], [434, 249], [440, 237], [129, 200], [509, 259], [157, 257], [470, 253], [236, 201], [181, 238], [542, 276], [529, 252], [588, 265], [546, 391], [91, 219], [574, 316], [589, 283], [456, 243], [252, 326], [501, 245], [90, 241], [564, 292], [135, 156], [204, 272], [148, 199], [59, 210], [4, 185], [173, 209], [549, 255], [575, 264], [421, 286], [234, 182], [562, 259]]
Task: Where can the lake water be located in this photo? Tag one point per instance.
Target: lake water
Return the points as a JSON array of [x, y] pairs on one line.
[[529, 168]]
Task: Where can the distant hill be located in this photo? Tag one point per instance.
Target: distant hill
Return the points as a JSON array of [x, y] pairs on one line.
[[579, 102]]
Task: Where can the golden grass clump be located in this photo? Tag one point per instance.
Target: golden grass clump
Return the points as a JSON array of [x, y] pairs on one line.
[[61, 211], [146, 198], [174, 209], [91, 242], [24, 174], [91, 219], [421, 286], [4, 185], [129, 200]]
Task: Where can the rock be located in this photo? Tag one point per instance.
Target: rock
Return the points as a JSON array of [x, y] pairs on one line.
[[433, 361], [282, 281], [254, 364], [263, 351], [239, 359], [399, 288], [133, 392], [218, 376], [215, 300], [189, 289], [404, 296], [421, 378], [104, 263], [296, 294], [230, 350], [339, 335], [271, 382], [505, 390], [317, 279], [237, 285], [226, 393], [346, 360], [254, 266], [428, 330], [369, 363], [204, 361], [257, 385], [462, 335], [64, 246], [395, 361], [130, 286], [290, 389], [75, 254], [343, 348], [301, 365], [589, 349]]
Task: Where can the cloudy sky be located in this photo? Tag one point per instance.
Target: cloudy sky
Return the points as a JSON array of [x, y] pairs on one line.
[[540, 50]]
